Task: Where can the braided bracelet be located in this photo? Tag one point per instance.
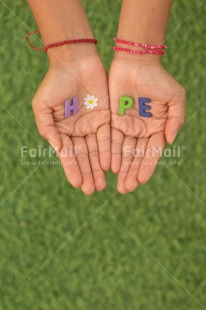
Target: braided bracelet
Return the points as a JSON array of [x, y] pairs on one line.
[[45, 48]]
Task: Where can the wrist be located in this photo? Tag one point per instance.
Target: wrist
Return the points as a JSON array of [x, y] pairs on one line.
[[142, 38], [71, 51], [127, 53], [137, 62], [68, 53]]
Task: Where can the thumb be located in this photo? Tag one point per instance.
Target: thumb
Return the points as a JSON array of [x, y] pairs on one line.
[[176, 116], [46, 127]]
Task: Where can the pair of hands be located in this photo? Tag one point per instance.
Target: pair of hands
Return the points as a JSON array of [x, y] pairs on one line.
[[99, 139]]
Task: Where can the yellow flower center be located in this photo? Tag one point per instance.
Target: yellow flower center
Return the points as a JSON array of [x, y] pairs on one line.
[[91, 101]]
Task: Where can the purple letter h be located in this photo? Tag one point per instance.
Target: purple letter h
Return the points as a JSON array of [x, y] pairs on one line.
[[71, 106]]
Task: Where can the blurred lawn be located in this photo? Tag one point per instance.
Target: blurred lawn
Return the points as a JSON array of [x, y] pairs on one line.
[[62, 250]]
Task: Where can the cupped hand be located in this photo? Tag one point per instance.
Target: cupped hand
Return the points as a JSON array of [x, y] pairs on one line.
[[83, 139], [137, 142]]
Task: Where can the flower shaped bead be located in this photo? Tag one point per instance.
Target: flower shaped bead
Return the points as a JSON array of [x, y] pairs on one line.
[[90, 102]]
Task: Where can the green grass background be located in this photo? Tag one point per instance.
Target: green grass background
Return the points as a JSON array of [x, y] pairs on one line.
[[62, 250]]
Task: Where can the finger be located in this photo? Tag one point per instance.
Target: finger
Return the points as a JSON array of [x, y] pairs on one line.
[[131, 182], [46, 126], [153, 152], [127, 157], [117, 141], [81, 152], [98, 174], [69, 163], [176, 116], [104, 142]]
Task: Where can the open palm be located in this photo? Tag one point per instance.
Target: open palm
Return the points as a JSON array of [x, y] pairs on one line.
[[85, 135], [135, 138]]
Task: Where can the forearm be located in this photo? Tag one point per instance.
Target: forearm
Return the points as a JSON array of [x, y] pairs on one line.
[[144, 21], [60, 20]]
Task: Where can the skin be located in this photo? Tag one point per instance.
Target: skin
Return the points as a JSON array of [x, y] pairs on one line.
[[73, 72], [134, 137]]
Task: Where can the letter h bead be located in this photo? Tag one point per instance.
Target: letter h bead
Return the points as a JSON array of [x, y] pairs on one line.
[[71, 107]]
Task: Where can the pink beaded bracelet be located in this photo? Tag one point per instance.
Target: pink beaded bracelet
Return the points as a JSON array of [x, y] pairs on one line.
[[148, 48], [127, 50]]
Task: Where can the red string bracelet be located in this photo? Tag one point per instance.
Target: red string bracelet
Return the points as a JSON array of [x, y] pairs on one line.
[[45, 48], [148, 46], [152, 52]]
